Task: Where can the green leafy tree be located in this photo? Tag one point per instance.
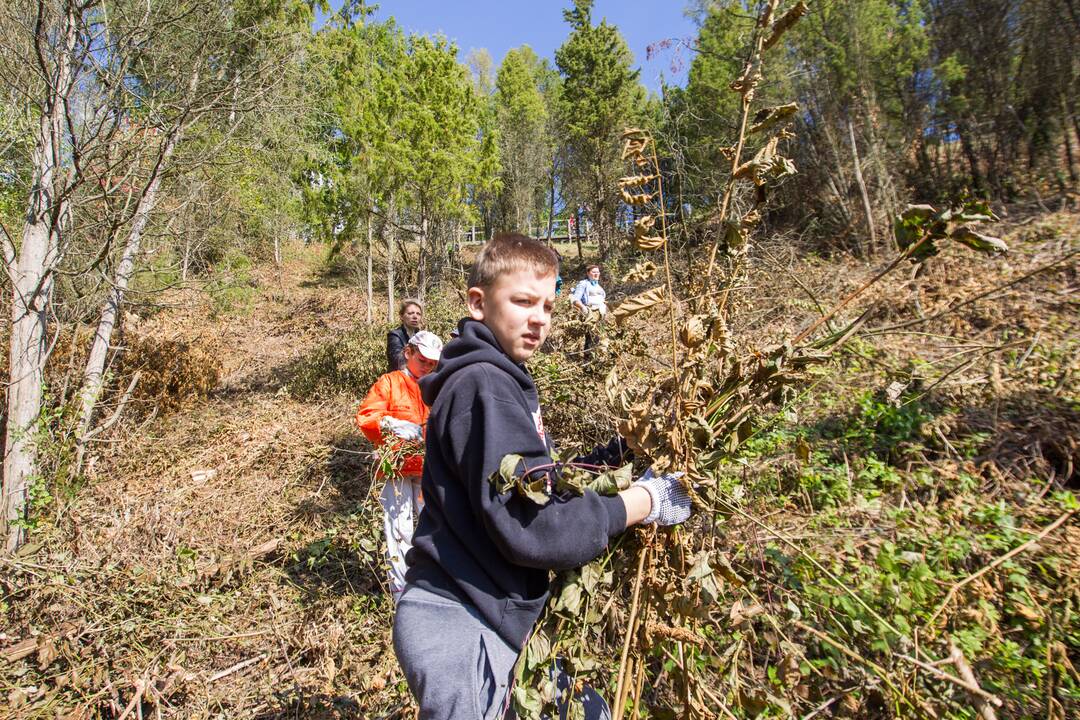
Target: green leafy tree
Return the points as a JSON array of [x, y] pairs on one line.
[[405, 141], [524, 145], [600, 96], [444, 151], [708, 109]]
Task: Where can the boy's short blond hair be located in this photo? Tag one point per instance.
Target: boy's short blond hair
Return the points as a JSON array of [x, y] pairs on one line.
[[509, 252]]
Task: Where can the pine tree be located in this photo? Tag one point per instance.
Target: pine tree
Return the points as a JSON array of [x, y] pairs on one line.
[[600, 94], [523, 142]]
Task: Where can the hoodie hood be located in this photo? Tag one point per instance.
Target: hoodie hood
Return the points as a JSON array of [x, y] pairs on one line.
[[475, 344]]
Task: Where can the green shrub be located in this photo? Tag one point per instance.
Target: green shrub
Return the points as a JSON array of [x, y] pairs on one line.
[[348, 363]]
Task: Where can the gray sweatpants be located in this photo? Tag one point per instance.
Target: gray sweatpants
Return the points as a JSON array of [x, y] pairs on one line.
[[457, 666]]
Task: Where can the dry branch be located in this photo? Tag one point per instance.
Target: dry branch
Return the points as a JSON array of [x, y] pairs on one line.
[[1011, 554], [966, 683], [236, 668]]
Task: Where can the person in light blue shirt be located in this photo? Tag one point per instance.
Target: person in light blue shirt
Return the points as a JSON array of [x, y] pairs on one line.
[[587, 296]]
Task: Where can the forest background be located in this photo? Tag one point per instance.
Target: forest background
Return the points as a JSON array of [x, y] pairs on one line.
[[214, 159]]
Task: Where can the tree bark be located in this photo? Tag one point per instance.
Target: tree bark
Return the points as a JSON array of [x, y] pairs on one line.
[[1066, 131], [551, 205], [30, 268], [972, 157], [577, 232], [94, 374], [370, 296], [389, 230], [862, 187], [31, 295], [422, 257]]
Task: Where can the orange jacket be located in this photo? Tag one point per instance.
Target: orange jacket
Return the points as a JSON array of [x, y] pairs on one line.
[[395, 394]]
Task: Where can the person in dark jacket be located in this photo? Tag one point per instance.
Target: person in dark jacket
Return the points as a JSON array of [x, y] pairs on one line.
[[411, 313], [478, 575]]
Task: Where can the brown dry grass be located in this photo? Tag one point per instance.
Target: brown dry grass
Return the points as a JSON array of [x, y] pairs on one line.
[[238, 529]]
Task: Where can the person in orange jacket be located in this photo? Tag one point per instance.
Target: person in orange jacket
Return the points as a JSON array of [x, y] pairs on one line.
[[394, 414]]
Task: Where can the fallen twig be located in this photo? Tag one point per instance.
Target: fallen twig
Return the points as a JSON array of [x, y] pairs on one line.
[[19, 650], [621, 684], [140, 687], [967, 684], [236, 668], [1011, 554], [882, 674], [964, 669]]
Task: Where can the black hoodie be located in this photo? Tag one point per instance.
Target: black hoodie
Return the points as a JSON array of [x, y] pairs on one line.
[[489, 550]]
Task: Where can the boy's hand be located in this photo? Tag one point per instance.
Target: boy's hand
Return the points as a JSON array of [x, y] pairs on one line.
[[670, 501], [402, 428]]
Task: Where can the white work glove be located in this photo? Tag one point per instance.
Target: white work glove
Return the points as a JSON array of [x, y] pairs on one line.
[[402, 428], [670, 501]]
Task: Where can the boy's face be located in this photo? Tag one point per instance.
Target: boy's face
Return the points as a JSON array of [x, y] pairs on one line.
[[517, 310]]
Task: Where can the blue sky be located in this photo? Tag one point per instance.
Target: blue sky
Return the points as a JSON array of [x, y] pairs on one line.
[[500, 25]]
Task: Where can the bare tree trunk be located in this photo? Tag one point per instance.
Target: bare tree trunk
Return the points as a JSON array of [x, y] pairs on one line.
[[862, 187], [1066, 132], [94, 375], [390, 263], [600, 212], [551, 205], [187, 258], [370, 297], [577, 234], [422, 258], [31, 295], [970, 154], [30, 267]]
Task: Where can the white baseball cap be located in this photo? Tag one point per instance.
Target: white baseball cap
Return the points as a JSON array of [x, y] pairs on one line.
[[428, 343]]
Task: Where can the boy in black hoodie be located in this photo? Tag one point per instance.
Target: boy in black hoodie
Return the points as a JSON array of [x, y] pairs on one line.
[[478, 572]]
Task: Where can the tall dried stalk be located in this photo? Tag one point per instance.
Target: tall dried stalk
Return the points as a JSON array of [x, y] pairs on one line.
[[747, 84]]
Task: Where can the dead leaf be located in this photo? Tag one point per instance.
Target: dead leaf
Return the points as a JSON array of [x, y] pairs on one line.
[[650, 243], [784, 24], [743, 611], [640, 272], [693, 331], [769, 117], [633, 305]]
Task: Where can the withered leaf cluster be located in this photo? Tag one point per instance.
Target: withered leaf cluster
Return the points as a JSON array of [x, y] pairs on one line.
[[633, 188]]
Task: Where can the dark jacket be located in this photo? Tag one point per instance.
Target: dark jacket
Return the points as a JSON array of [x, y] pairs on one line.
[[396, 340], [489, 550]]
